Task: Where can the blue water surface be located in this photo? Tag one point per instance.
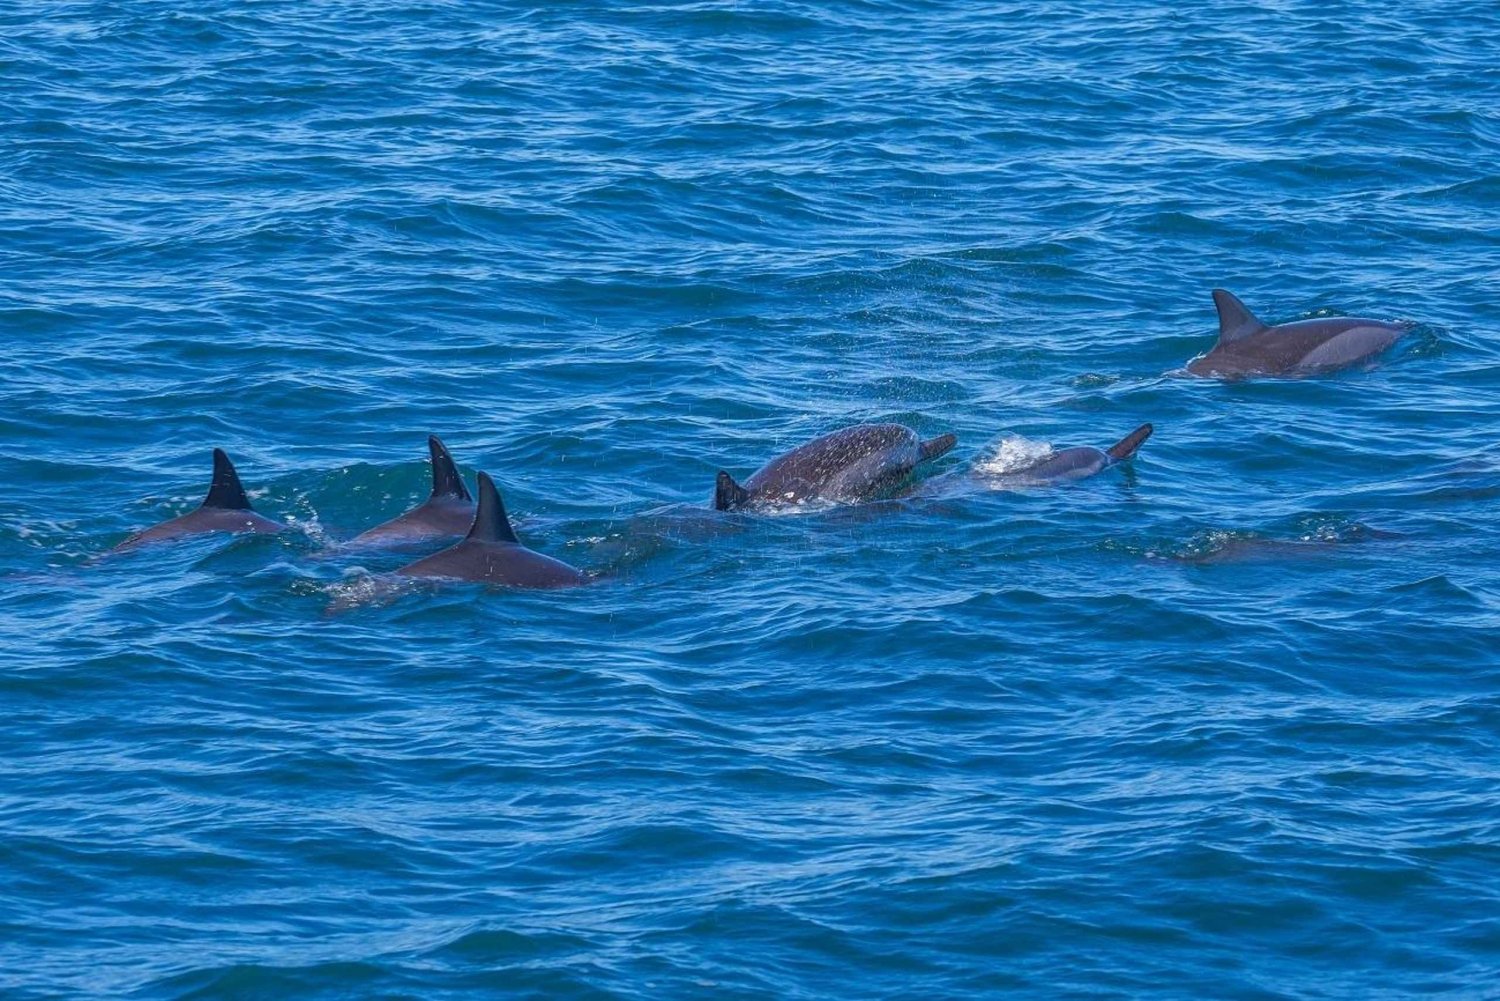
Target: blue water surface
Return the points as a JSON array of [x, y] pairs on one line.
[[1223, 723]]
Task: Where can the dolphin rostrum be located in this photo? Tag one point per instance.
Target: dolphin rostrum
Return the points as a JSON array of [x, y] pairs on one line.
[[1249, 347], [225, 509], [1076, 463], [491, 552], [449, 510], [858, 463]]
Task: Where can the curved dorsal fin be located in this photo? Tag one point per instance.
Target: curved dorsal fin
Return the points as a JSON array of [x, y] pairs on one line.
[[490, 522], [728, 494], [445, 479], [938, 447], [1235, 320], [225, 490], [1126, 446]]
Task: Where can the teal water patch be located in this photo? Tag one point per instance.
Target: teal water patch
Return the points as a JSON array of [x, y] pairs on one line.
[[1214, 723]]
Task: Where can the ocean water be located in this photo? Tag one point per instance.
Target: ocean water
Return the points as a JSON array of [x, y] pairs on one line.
[[1223, 723]]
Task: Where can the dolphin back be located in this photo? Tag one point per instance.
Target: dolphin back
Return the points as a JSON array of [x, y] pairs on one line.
[[1359, 339], [225, 509], [492, 553], [1248, 347]]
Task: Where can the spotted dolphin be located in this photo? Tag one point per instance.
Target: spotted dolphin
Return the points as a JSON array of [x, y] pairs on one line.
[[491, 553], [858, 463], [1076, 463], [1247, 346], [225, 509], [448, 510]]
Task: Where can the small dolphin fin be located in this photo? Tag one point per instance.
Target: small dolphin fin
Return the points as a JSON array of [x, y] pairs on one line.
[[490, 522], [938, 447], [445, 479], [225, 491], [728, 494], [1126, 447], [1235, 319]]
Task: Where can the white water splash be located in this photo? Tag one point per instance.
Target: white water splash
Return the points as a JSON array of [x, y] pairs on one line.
[[309, 526], [360, 588], [1010, 454], [787, 507]]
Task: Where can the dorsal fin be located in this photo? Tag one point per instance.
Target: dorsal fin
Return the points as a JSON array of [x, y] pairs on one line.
[[728, 494], [225, 490], [937, 447], [1235, 319], [445, 479], [490, 522], [1126, 446]]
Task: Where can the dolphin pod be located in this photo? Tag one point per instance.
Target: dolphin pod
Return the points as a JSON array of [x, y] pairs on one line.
[[489, 552], [865, 462], [860, 463]]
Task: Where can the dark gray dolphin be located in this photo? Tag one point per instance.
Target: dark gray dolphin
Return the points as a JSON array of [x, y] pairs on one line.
[[1076, 463], [1249, 347], [859, 463], [225, 509], [491, 552], [449, 510]]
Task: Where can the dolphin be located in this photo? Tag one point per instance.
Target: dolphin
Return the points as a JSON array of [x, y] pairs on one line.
[[225, 509], [1248, 346], [858, 463], [1077, 463], [491, 552], [449, 510]]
